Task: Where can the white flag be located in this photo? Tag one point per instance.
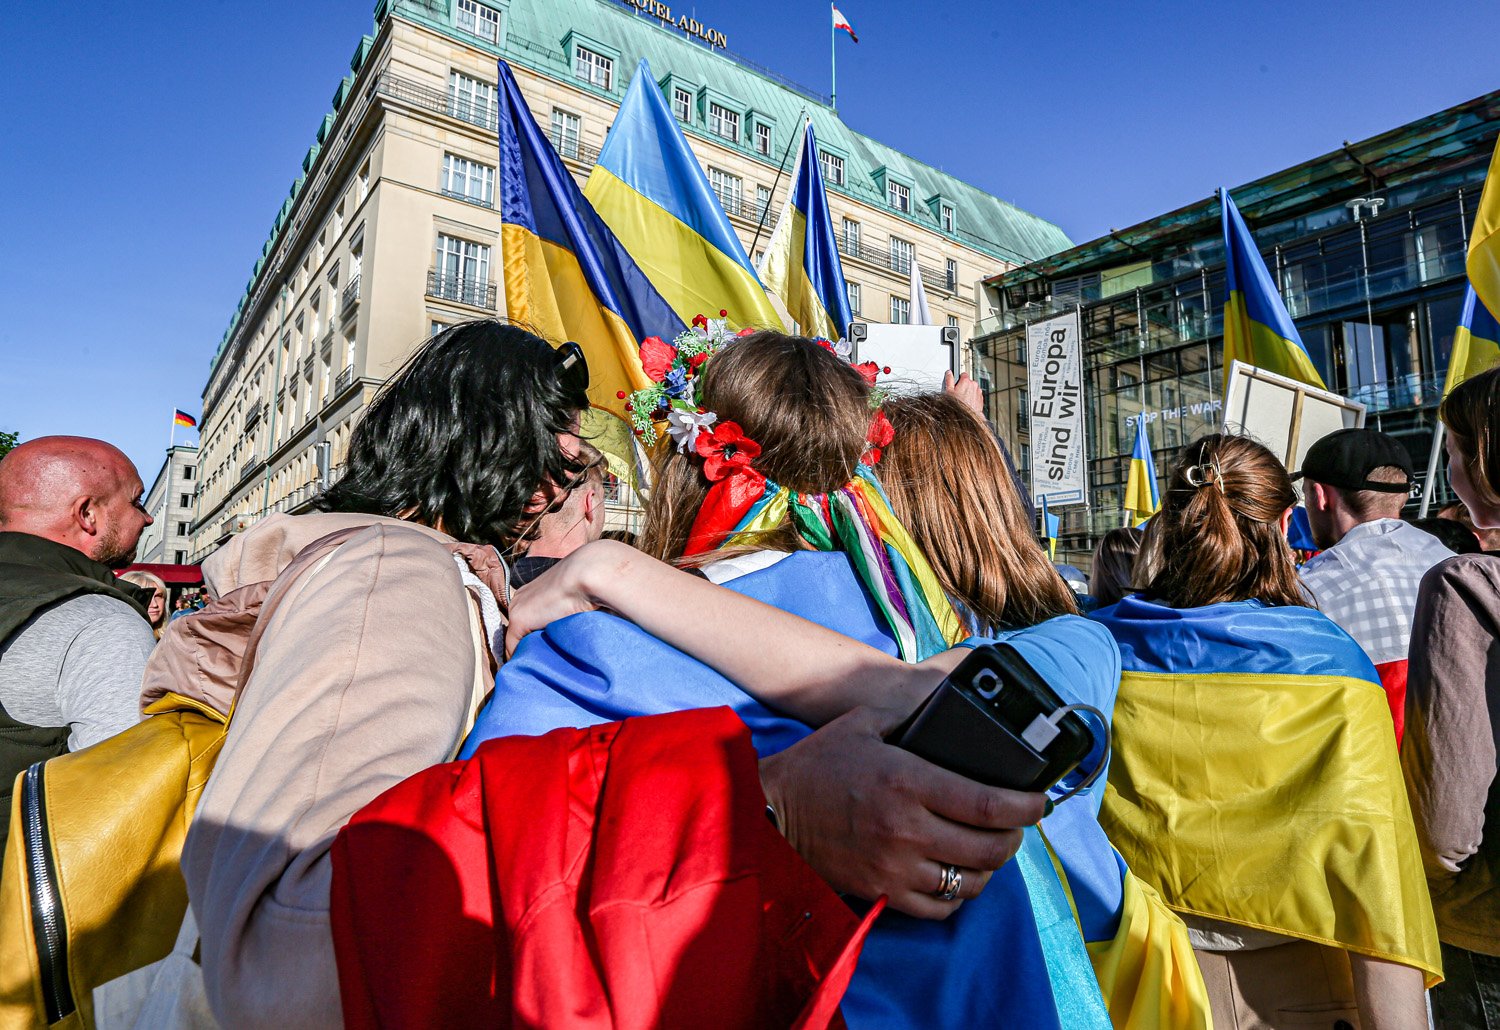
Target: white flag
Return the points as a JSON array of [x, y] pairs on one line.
[[919, 313]]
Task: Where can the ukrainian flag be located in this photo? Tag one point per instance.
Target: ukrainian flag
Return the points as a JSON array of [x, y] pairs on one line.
[[1142, 496], [650, 190], [1051, 524], [566, 275], [1484, 241], [1260, 785], [802, 265], [1476, 342], [1257, 329]]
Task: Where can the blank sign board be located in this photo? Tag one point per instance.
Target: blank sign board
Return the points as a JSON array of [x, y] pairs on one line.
[[1285, 415], [917, 355]]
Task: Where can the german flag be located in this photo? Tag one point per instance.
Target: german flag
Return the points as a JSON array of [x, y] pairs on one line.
[[182, 418]]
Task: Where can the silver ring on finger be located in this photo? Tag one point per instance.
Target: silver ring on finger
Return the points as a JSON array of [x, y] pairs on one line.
[[951, 883]]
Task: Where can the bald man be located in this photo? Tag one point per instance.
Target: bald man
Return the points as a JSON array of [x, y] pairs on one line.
[[73, 640]]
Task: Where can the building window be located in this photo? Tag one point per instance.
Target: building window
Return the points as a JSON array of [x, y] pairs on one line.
[[852, 289], [682, 104], [182, 529], [833, 168], [851, 237], [187, 471], [900, 310], [945, 217], [436, 327], [184, 500], [470, 100], [468, 180], [762, 201], [723, 122], [479, 20], [763, 138], [180, 558], [593, 68], [902, 254], [463, 271], [952, 321], [898, 196], [729, 188], [951, 275], [567, 130]]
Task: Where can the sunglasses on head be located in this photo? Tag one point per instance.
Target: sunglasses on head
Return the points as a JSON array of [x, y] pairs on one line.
[[571, 366]]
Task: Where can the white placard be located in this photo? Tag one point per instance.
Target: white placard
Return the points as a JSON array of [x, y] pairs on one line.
[[1284, 414], [1055, 379], [917, 355]]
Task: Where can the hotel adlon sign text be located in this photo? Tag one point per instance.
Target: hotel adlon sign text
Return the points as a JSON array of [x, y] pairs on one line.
[[692, 26]]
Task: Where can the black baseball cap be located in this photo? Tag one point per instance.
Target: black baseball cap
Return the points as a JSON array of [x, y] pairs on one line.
[[1346, 458]]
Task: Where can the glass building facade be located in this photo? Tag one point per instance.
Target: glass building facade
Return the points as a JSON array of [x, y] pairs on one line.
[[1367, 245]]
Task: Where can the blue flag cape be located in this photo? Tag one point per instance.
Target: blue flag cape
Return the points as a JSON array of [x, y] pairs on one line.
[[1012, 956]]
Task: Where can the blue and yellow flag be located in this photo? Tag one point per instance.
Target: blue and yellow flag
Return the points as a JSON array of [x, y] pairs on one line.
[[1255, 778], [1257, 329], [1484, 240], [650, 190], [1050, 525], [566, 275], [1476, 342], [1142, 495], [802, 265]]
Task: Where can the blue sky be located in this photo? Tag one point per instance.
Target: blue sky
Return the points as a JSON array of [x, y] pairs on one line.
[[148, 147]]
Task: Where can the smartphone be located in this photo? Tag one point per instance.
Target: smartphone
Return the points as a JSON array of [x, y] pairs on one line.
[[979, 720]]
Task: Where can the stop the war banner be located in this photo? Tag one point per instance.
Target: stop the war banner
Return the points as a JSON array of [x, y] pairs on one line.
[[1055, 378]]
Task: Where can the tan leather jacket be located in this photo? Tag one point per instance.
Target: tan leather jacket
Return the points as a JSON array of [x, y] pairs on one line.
[[370, 671]]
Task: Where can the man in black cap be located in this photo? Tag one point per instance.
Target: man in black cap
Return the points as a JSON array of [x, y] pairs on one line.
[[1366, 578]]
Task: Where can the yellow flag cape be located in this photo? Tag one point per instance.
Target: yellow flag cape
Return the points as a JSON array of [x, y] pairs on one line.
[[1275, 802]]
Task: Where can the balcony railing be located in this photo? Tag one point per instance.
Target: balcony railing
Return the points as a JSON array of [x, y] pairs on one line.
[[253, 415], [307, 365], [486, 116], [893, 262], [342, 383], [573, 148], [351, 296], [464, 291], [249, 467]]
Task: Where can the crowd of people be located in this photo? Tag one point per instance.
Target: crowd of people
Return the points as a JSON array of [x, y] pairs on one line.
[[457, 757]]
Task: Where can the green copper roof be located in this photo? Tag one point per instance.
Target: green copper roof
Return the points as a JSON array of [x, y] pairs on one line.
[[533, 32], [533, 37]]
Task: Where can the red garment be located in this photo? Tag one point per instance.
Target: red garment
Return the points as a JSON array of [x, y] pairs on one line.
[[1393, 679], [620, 876]]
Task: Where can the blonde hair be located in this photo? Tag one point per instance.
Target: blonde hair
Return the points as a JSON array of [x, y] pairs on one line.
[[949, 484], [142, 578]]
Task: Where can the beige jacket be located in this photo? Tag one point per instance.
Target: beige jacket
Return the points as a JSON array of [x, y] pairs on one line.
[[368, 671]]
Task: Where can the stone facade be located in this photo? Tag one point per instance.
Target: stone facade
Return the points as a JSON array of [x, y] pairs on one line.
[[170, 502]]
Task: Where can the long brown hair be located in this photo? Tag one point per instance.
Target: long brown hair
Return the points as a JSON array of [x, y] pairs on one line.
[[1218, 535], [809, 411], [1470, 413], [1113, 574], [949, 485]]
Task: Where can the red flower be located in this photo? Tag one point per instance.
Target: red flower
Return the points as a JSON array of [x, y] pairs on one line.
[[826, 345], [657, 356], [726, 451], [745, 331], [880, 435], [696, 360], [700, 321], [869, 370]]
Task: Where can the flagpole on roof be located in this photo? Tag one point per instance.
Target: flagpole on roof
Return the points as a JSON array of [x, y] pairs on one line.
[[795, 140], [833, 59]]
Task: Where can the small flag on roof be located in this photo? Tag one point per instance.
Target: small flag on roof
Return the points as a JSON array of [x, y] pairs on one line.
[[840, 22], [182, 418]]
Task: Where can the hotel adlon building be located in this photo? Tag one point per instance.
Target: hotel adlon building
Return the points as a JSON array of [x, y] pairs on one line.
[[391, 231]]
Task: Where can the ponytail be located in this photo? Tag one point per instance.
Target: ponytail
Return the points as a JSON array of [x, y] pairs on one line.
[[1218, 536]]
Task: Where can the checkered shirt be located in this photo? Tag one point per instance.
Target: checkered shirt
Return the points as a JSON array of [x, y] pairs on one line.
[[1367, 583]]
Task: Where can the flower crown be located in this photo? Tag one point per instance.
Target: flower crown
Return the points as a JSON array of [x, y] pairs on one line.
[[674, 398]]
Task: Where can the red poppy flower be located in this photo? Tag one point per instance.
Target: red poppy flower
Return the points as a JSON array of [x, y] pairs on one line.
[[745, 331], [696, 360], [726, 451], [881, 431], [825, 344], [657, 356], [869, 370]]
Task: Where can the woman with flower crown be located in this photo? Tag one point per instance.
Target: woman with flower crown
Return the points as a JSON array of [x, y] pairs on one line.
[[764, 487]]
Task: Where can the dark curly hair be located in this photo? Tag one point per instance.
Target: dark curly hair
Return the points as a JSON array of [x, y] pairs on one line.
[[463, 435]]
